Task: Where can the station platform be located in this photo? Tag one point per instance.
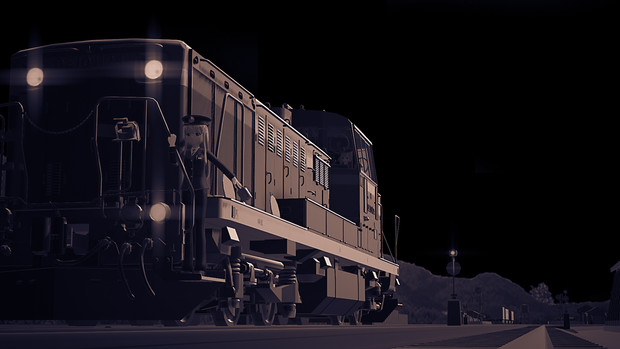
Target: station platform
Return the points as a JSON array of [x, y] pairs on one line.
[[531, 337]]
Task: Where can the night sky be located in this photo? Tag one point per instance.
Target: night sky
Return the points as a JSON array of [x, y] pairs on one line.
[[492, 124]]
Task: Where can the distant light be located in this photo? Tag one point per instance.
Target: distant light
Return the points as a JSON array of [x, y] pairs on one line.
[[453, 253], [34, 77], [159, 212], [153, 69]]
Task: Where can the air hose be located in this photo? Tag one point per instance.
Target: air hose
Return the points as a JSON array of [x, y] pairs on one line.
[[147, 244], [125, 249]]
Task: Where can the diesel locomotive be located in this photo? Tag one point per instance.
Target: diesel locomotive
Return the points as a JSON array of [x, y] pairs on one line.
[[141, 182]]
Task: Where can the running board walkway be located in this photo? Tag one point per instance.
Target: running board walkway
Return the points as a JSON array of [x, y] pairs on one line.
[[530, 337]]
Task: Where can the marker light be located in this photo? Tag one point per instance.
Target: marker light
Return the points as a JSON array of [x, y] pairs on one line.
[[131, 213], [34, 77], [159, 212], [153, 69]]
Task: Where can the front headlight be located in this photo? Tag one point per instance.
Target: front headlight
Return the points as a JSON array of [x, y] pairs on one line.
[[153, 69], [159, 212], [34, 77]]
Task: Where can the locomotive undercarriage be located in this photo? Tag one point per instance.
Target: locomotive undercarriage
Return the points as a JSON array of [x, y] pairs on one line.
[[320, 277], [248, 275]]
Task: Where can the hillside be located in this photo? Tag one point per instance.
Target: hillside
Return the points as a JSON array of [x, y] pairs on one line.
[[424, 297]]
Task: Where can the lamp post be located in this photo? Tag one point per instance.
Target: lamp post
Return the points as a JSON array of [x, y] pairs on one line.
[[566, 316], [454, 305], [453, 254]]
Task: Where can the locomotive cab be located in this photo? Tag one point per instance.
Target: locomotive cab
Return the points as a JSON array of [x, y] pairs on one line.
[[353, 178]]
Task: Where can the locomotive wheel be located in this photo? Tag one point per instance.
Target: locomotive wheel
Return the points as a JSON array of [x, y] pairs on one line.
[[336, 320], [82, 322], [356, 318], [264, 314], [228, 312], [189, 320], [194, 317], [175, 323]]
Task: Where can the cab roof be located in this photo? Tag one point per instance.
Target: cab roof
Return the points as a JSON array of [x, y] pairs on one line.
[[79, 44]]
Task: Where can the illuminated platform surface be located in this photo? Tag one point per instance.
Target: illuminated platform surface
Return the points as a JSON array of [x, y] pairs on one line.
[[531, 337], [310, 336]]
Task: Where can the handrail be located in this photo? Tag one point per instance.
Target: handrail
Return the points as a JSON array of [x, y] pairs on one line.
[[219, 132], [167, 129], [388, 246], [8, 104], [221, 127], [21, 139]]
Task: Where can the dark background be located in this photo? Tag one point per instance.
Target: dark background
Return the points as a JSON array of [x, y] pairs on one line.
[[492, 124]]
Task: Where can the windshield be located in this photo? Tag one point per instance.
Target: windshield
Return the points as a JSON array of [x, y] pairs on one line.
[[364, 154]]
